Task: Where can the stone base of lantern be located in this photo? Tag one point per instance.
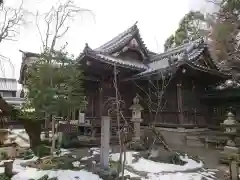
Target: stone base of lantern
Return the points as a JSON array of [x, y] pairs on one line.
[[230, 153], [230, 149], [136, 144]]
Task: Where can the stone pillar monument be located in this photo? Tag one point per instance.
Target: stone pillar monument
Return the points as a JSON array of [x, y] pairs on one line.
[[105, 139], [136, 119]]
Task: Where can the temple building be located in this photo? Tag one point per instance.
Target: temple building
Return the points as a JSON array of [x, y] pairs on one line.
[[171, 85], [181, 76]]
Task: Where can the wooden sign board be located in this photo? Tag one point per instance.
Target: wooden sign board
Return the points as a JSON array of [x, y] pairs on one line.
[[68, 128]]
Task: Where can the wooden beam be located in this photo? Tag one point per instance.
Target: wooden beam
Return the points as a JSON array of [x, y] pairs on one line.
[[180, 104], [100, 100]]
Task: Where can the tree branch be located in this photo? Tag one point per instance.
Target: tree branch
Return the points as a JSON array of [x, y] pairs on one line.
[[55, 21], [11, 20]]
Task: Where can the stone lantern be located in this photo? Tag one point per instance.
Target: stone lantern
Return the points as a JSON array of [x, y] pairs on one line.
[[231, 150], [136, 117]]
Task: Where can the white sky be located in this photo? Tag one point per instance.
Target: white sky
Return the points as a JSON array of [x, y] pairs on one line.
[[157, 19]]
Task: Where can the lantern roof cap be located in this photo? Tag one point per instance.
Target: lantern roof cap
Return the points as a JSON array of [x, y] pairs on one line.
[[136, 107]]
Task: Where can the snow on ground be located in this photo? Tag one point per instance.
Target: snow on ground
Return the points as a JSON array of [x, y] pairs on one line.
[[26, 173], [60, 174], [154, 170], [177, 176], [94, 151], [21, 137], [163, 171], [62, 152], [115, 157], [156, 167]]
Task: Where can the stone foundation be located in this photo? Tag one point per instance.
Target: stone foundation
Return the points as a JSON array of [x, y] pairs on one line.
[[179, 136]]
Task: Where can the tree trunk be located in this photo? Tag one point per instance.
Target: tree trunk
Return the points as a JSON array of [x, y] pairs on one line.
[[33, 129]]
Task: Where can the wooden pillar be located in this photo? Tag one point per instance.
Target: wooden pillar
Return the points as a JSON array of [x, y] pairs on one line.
[[180, 104], [100, 101]]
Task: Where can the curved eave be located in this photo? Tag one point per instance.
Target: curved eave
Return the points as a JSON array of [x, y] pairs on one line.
[[113, 63], [173, 68], [160, 72], [97, 56], [208, 70]]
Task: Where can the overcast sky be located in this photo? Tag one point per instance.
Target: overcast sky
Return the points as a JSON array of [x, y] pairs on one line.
[[157, 19]]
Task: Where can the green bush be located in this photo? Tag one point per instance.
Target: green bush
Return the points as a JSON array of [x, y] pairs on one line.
[[46, 142], [54, 178], [42, 151], [28, 154], [4, 177], [3, 156]]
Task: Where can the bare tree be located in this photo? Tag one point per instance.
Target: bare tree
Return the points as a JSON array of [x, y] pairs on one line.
[[153, 97], [10, 21], [57, 23]]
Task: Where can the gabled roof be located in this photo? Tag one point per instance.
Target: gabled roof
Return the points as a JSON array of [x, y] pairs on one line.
[[123, 39], [107, 51]]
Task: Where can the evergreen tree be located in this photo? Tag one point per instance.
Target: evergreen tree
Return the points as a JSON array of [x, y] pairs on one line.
[[55, 84], [55, 87], [191, 27]]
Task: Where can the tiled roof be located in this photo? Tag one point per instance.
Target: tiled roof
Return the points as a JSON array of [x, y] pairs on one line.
[[178, 51], [187, 52], [122, 39]]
